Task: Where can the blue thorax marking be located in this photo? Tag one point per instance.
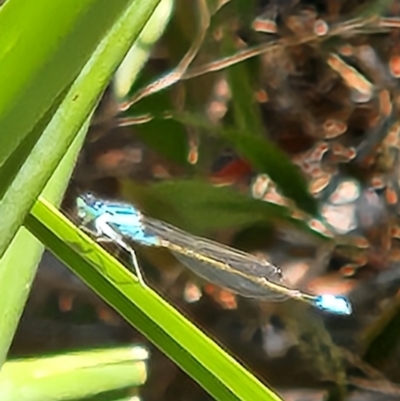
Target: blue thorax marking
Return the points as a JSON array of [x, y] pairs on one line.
[[124, 218]]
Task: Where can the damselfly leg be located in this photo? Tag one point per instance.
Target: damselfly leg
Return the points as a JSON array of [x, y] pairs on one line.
[[104, 233]]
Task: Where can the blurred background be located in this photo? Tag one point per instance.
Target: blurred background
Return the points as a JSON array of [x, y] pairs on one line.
[[281, 138]]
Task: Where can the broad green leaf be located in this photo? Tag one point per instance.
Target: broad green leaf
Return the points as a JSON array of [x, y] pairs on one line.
[[43, 46]]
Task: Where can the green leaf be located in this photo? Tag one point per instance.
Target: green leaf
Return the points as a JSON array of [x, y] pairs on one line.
[[43, 46], [166, 137], [17, 269], [246, 112], [77, 375], [199, 207], [68, 119], [139, 53]]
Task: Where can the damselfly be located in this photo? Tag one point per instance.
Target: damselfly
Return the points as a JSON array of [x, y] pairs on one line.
[[239, 272]]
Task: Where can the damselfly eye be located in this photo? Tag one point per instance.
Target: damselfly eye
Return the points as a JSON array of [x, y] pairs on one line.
[[89, 197], [91, 200]]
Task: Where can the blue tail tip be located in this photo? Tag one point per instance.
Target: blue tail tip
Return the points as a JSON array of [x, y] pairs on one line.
[[334, 304]]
